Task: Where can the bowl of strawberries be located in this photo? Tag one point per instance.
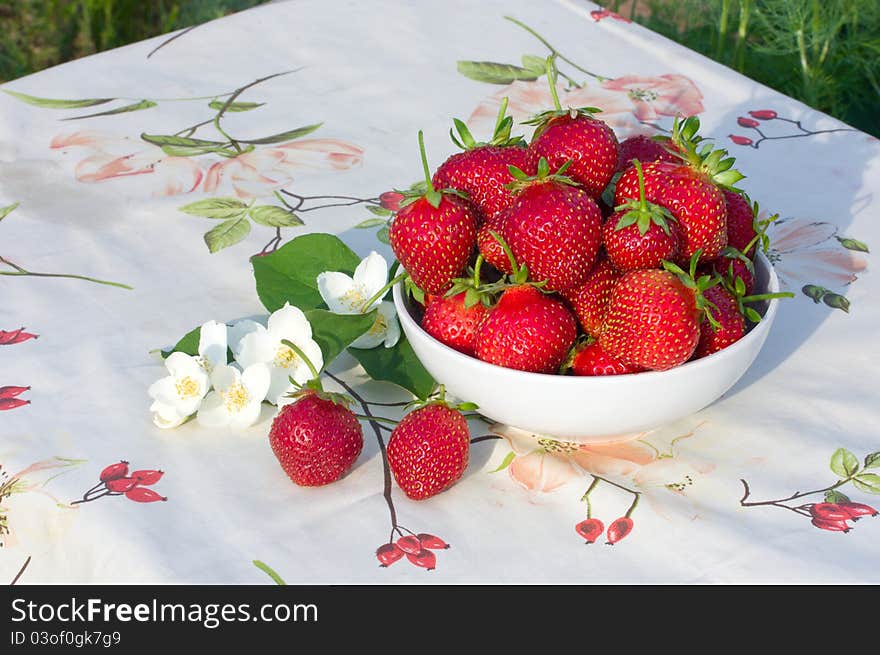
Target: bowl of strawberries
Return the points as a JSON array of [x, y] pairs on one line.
[[579, 287]]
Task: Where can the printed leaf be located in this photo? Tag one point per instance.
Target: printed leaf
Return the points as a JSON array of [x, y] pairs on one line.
[[228, 233], [334, 332], [235, 106], [221, 208], [5, 211], [495, 73], [836, 301], [534, 63], [872, 460], [814, 291], [137, 106], [290, 273], [285, 136], [398, 365], [274, 216], [853, 244], [370, 222], [379, 211], [55, 103], [868, 482], [183, 141], [835, 496], [382, 235], [268, 570], [844, 463], [507, 462], [195, 151]]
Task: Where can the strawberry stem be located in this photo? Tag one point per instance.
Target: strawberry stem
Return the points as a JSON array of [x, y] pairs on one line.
[[431, 195], [477, 266], [303, 356], [501, 113], [552, 76]]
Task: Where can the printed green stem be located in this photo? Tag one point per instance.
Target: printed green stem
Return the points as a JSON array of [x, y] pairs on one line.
[[268, 570], [303, 356], [635, 503], [586, 497], [20, 271], [20, 572], [779, 501], [381, 292], [554, 50]]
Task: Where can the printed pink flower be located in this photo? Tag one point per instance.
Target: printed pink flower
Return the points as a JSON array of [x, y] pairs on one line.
[[599, 14], [804, 251], [665, 95], [262, 170]]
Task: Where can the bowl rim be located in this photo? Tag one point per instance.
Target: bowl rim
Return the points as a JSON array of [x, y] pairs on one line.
[[586, 380]]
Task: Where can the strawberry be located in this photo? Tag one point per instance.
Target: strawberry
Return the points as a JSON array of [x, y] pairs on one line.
[[316, 439], [571, 134], [653, 320], [433, 235], [740, 222], [553, 228], [646, 150], [428, 450], [590, 300], [732, 264], [482, 170], [592, 360], [453, 323], [527, 330], [731, 325], [640, 234], [489, 246]]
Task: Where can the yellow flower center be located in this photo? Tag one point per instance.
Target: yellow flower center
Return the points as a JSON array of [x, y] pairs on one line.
[[187, 388], [354, 298], [558, 447], [235, 398], [379, 327], [285, 357]]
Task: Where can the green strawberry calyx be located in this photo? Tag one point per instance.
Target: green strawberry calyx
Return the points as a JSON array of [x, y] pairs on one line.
[[714, 163], [428, 192], [736, 287], [697, 284], [500, 137], [475, 290], [438, 397], [543, 118], [522, 180], [312, 386], [640, 212]]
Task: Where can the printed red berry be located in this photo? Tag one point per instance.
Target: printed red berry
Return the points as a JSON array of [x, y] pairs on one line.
[[730, 328], [316, 439], [740, 222], [432, 542], [763, 114], [434, 235], [527, 330], [829, 512], [645, 149], [114, 472], [409, 544], [619, 529], [590, 300], [592, 360], [590, 529], [428, 450], [747, 122], [12, 403], [424, 558], [15, 336], [489, 246], [831, 525], [121, 485], [390, 200], [145, 478], [12, 392], [857, 510], [387, 554], [452, 323], [740, 140], [144, 495]]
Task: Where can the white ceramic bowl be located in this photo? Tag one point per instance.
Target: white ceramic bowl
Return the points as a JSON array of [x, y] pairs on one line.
[[591, 409]]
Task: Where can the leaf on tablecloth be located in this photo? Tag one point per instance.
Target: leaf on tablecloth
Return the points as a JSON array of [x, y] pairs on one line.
[[180, 146], [5, 211], [290, 274], [55, 103], [872, 460], [335, 332], [868, 482], [228, 233], [220, 208], [495, 73], [137, 106], [844, 463], [274, 216], [285, 136], [853, 244], [398, 365], [836, 301], [836, 497], [217, 105]]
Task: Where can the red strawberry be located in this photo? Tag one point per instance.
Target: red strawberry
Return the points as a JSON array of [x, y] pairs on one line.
[[454, 324], [740, 222], [433, 236], [731, 325], [590, 300], [490, 247], [732, 267], [483, 169], [316, 439], [428, 451], [653, 321], [527, 330], [592, 360], [640, 234], [646, 150], [553, 229]]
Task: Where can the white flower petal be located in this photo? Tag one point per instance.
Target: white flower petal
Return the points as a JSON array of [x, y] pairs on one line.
[[392, 334], [163, 390], [385, 329], [212, 343], [238, 330], [213, 413], [339, 293], [224, 377], [182, 365], [371, 274], [369, 339], [164, 422], [256, 347], [289, 323], [256, 379], [247, 416], [280, 383]]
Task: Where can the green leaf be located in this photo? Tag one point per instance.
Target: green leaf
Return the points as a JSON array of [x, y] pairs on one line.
[[182, 141], [853, 244], [382, 235], [836, 301], [468, 407], [844, 463], [508, 460], [379, 211], [334, 332], [189, 344], [274, 216], [137, 106], [220, 208], [5, 211], [495, 73], [814, 291], [290, 273], [235, 106], [54, 103], [285, 136], [872, 460], [398, 365], [834, 496], [868, 482], [370, 222], [228, 233], [535, 64]]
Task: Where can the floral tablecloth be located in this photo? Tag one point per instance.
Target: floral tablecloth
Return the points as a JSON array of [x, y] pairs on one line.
[[300, 117]]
